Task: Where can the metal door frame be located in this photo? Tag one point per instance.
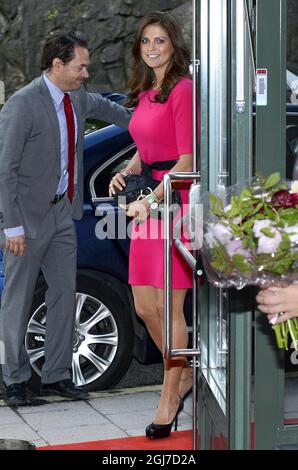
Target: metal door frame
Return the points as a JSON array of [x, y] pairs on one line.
[[226, 157]]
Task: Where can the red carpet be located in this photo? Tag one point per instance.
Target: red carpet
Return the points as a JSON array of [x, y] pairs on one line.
[[180, 440]]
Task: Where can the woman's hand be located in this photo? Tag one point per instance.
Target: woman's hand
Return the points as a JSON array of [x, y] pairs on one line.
[[274, 300], [117, 182], [138, 210]]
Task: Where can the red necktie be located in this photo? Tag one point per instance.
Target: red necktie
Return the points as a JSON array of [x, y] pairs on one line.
[[71, 144]]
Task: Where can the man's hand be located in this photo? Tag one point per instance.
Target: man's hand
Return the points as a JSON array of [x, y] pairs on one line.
[[16, 245]]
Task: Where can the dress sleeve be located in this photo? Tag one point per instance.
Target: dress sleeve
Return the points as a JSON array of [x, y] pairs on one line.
[[182, 115]]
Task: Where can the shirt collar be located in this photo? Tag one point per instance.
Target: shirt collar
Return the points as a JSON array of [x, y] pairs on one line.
[[56, 93]]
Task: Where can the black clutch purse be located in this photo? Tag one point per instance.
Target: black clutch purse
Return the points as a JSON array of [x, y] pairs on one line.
[[138, 186]]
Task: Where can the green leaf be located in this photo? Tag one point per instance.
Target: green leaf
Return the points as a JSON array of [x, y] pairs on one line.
[[288, 216], [220, 260], [235, 207], [216, 201], [272, 180], [257, 208], [241, 264], [216, 205], [245, 194], [233, 212], [247, 241], [266, 231], [247, 225], [281, 267], [217, 265], [285, 244]]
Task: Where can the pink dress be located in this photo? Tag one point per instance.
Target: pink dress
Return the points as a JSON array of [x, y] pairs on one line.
[[161, 132]]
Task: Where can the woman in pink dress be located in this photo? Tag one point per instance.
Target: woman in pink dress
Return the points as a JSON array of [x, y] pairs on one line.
[[161, 127]]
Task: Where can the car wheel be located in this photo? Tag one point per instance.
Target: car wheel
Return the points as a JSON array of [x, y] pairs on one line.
[[104, 334]]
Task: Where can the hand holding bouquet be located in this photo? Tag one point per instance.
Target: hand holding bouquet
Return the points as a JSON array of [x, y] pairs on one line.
[[251, 238]]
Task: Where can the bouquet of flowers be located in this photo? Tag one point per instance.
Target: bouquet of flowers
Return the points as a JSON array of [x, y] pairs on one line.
[[251, 238]]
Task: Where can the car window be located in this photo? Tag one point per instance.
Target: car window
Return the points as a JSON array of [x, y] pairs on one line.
[[95, 124], [99, 183]]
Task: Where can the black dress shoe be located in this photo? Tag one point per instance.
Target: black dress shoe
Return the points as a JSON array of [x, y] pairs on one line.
[[15, 394], [64, 388]]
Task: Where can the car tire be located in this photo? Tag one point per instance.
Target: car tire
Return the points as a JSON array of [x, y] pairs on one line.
[[100, 364]]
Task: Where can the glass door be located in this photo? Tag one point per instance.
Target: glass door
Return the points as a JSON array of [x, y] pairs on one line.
[[225, 158]]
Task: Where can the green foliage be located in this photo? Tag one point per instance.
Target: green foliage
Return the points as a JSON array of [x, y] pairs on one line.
[[272, 181], [242, 264], [93, 125], [52, 14], [238, 256], [252, 204]]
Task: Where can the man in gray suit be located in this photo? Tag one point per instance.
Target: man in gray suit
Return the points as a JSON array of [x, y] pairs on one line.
[[41, 191]]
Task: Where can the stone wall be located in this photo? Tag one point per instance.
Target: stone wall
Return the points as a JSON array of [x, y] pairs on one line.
[[108, 25]]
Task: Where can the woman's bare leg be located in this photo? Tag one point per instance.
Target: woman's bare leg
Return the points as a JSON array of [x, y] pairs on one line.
[[185, 383], [169, 399], [149, 305], [145, 300]]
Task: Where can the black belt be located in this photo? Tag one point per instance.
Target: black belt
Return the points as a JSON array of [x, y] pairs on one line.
[[58, 198]]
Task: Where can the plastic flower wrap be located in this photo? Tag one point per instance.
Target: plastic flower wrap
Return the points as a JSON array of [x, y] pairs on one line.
[[251, 238]]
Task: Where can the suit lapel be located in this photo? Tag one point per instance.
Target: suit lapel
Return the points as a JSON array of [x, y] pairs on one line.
[[75, 102], [51, 111], [79, 147]]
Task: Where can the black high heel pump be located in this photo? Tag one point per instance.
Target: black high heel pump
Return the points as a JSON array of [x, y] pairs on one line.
[[158, 431]]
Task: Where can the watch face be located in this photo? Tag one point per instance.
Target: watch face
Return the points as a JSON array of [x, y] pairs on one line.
[[154, 205]]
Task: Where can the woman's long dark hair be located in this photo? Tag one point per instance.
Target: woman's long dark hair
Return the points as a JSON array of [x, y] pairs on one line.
[[142, 75]]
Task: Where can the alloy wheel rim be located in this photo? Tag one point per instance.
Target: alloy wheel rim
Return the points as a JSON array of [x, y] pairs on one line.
[[95, 340]]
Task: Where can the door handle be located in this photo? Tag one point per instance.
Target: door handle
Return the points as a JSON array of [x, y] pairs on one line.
[[240, 57], [168, 242]]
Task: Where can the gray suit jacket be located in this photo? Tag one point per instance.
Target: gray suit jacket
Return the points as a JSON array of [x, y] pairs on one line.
[[30, 161]]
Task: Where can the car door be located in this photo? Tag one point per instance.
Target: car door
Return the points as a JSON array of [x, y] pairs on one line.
[[112, 220]]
